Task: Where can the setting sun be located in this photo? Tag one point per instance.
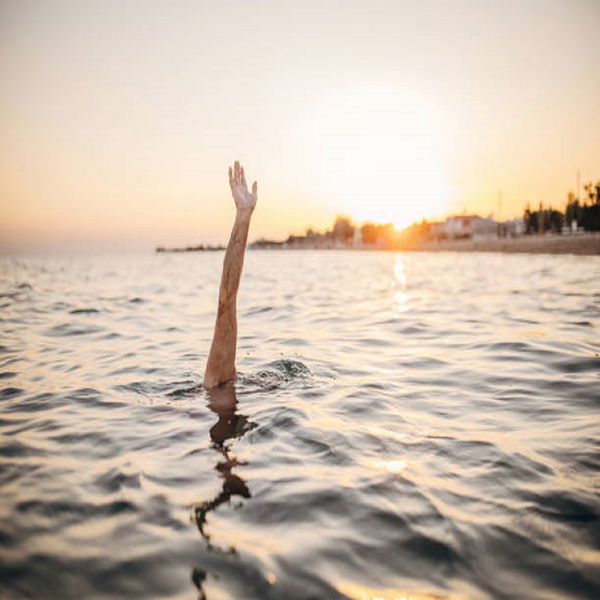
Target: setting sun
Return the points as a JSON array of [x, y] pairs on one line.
[[382, 151]]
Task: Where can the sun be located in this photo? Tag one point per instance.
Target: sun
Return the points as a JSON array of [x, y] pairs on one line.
[[381, 151]]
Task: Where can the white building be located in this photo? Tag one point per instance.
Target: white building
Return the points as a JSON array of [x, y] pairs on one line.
[[471, 227], [513, 228]]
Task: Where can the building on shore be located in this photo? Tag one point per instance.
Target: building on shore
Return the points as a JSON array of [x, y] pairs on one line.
[[471, 227], [344, 234], [512, 228]]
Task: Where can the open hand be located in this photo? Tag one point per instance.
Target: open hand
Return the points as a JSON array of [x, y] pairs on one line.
[[244, 200]]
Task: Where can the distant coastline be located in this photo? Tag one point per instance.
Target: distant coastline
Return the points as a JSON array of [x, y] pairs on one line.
[[581, 244], [461, 233], [199, 248]]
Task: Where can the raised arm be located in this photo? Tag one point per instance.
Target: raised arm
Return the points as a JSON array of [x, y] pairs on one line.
[[220, 366]]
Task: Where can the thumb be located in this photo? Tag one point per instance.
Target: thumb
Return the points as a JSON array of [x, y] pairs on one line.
[[254, 187]]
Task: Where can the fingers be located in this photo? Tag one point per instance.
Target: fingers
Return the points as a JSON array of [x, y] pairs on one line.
[[254, 188], [238, 177]]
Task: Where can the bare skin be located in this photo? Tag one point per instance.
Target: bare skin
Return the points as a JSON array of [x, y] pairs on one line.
[[220, 366]]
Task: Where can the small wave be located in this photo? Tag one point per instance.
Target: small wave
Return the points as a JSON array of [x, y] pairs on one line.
[[273, 375], [285, 369], [10, 392], [10, 295], [190, 389], [115, 479], [172, 389], [35, 403], [17, 449], [565, 505], [70, 329], [578, 365], [258, 310], [91, 444], [89, 397], [74, 512], [113, 335]]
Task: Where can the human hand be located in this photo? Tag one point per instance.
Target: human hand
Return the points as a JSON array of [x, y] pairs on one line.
[[245, 201]]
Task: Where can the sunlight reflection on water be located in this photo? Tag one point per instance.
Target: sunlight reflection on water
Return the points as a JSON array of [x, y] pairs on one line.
[[394, 466]]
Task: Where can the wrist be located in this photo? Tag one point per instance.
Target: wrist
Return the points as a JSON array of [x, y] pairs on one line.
[[244, 213]]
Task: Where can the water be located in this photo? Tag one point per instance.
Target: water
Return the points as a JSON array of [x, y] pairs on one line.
[[404, 426]]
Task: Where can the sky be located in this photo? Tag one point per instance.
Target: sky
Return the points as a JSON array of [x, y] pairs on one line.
[[119, 119]]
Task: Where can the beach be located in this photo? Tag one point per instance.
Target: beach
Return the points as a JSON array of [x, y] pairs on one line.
[[580, 244]]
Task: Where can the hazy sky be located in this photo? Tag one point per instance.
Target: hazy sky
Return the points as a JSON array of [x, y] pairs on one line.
[[119, 119]]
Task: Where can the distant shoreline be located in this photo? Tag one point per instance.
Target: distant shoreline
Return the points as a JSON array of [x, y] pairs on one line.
[[581, 244], [587, 244], [200, 248]]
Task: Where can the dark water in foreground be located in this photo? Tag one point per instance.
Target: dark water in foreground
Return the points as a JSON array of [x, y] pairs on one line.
[[405, 426]]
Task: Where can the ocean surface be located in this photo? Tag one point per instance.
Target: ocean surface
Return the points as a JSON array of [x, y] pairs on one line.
[[415, 426]]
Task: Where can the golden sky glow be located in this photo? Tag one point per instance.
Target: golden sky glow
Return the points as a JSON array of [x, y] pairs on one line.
[[119, 119]]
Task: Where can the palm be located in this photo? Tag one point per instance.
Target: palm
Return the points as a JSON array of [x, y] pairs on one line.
[[244, 199]]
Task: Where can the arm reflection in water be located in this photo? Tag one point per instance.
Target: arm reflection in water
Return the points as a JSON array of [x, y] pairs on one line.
[[222, 400]]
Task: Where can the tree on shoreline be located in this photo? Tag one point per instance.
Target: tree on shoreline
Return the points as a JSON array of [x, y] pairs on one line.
[[584, 215], [587, 214], [543, 220]]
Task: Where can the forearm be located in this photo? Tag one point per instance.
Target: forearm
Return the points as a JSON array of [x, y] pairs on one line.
[[234, 260]]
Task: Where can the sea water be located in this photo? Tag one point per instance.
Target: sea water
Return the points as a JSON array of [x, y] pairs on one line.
[[403, 426]]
